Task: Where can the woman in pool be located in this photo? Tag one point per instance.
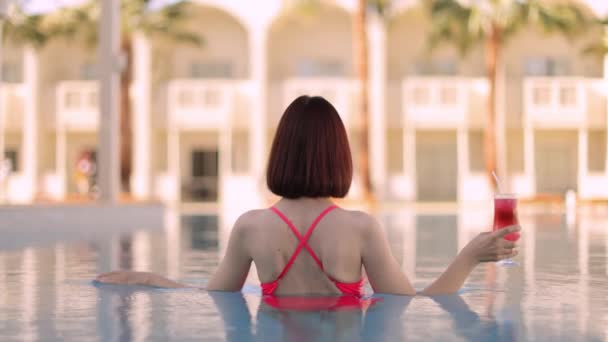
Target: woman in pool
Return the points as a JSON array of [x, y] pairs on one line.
[[305, 244]]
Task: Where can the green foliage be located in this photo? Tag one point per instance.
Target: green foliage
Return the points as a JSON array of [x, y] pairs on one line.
[[81, 22], [599, 48], [20, 27], [466, 23], [311, 7]]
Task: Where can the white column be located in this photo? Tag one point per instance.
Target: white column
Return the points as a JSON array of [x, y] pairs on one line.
[[2, 113], [61, 158], [30, 124], [409, 160], [173, 161], [142, 167], [462, 151], [225, 154], [109, 113], [529, 165], [259, 75], [582, 159], [377, 91], [606, 109], [501, 122]]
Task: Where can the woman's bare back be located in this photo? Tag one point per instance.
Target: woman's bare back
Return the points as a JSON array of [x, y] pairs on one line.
[[336, 240]]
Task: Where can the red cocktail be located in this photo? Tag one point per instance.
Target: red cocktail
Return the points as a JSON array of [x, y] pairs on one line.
[[505, 214]]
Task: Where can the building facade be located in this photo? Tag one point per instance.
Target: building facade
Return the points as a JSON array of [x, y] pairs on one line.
[[203, 117]]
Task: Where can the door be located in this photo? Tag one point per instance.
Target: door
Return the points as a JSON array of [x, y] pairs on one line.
[[436, 166], [85, 170], [204, 176], [556, 162]]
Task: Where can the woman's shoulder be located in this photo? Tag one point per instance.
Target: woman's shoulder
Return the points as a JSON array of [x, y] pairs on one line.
[[252, 218], [358, 219], [259, 218]]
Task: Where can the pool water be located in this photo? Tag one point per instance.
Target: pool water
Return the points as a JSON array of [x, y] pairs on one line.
[[558, 291]]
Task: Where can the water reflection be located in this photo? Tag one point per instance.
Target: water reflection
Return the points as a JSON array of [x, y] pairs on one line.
[[558, 292]]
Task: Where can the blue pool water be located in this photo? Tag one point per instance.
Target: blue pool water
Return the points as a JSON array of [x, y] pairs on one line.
[[559, 291]]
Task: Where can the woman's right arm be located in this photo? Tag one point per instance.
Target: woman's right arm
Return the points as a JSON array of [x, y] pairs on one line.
[[383, 271], [385, 275], [483, 248]]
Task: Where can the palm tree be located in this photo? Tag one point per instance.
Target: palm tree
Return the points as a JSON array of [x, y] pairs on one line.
[[599, 48], [492, 23], [360, 56], [81, 23], [362, 72], [24, 28], [136, 16]]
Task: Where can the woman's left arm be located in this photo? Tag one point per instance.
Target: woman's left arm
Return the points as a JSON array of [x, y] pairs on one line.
[[234, 267], [229, 276]]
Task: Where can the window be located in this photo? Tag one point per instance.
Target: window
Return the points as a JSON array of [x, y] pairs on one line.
[[11, 73], [596, 151], [436, 67], [240, 151], [204, 182], [476, 158], [394, 151], [13, 157], [319, 68], [88, 71], [546, 66], [204, 163], [515, 151], [211, 70]]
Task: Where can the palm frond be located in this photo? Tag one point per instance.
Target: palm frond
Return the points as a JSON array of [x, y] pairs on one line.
[[598, 48], [167, 23], [381, 7], [465, 24], [81, 23], [23, 28], [304, 7], [454, 24]]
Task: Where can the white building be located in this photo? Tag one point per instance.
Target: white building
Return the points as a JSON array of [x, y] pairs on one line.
[[203, 117]]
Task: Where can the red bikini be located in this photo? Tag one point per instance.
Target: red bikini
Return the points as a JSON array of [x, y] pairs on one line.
[[350, 289]]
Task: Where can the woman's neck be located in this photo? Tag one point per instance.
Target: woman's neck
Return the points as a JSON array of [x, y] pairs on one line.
[[308, 202]]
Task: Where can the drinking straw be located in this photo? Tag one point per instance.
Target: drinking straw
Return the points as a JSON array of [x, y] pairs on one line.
[[498, 183]]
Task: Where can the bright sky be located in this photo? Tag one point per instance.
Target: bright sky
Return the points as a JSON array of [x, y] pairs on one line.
[[41, 6], [599, 6]]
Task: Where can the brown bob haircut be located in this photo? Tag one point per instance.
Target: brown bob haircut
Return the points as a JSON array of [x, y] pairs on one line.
[[310, 154]]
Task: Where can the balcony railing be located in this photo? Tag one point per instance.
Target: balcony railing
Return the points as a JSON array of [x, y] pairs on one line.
[[77, 105], [556, 101], [441, 101], [201, 103], [341, 92], [12, 105]]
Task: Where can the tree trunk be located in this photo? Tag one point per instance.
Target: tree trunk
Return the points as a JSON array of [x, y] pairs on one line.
[[361, 68], [125, 114], [492, 59]]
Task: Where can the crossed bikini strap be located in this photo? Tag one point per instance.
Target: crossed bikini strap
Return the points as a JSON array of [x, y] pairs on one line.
[[303, 239]]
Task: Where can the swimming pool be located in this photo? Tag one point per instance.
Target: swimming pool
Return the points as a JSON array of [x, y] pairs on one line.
[[559, 291]]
